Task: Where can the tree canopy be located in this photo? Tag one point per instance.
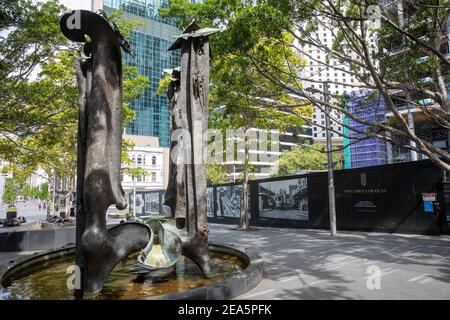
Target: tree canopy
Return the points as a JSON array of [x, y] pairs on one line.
[[306, 157], [39, 101], [398, 49]]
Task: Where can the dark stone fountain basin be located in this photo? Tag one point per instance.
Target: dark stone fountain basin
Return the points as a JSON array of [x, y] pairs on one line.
[[239, 270]]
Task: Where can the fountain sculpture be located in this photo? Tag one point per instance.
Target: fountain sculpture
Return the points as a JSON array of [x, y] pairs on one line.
[[148, 268], [188, 96], [99, 75]]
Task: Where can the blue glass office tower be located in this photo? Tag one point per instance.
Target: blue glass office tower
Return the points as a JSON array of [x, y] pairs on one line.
[[149, 43]]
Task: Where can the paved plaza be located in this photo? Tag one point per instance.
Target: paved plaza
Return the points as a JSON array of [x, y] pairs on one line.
[[29, 209], [308, 264]]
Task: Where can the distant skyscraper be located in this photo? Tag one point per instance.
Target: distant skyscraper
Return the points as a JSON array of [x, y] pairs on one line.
[[320, 69], [149, 43]]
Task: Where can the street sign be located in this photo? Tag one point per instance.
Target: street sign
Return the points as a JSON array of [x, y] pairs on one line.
[[428, 206], [429, 196]]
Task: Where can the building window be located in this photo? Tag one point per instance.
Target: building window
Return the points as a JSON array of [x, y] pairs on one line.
[[153, 176], [153, 160]]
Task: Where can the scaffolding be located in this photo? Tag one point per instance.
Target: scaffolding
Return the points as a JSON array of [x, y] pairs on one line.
[[361, 150]]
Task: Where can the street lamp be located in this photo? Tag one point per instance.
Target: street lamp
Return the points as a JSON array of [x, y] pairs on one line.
[[330, 164], [331, 190], [134, 191]]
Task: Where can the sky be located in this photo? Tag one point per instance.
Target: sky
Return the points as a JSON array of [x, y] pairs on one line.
[[77, 4]]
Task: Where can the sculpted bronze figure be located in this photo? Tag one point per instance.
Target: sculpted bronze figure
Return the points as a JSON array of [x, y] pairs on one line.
[[99, 75], [188, 96]]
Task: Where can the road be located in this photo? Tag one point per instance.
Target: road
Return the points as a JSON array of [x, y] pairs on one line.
[[29, 209]]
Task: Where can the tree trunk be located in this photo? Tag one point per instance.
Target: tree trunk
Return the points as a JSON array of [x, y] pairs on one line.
[[68, 198], [49, 196], [244, 199]]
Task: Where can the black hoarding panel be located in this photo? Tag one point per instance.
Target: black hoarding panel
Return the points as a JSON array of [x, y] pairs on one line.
[[210, 205], [383, 198], [398, 201], [358, 200], [427, 180], [318, 201]]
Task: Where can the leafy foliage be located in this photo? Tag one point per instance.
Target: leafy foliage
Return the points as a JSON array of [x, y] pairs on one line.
[[215, 174], [10, 192], [241, 97], [38, 117], [307, 157]]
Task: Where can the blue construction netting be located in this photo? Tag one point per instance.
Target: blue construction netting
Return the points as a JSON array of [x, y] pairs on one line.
[[365, 151]]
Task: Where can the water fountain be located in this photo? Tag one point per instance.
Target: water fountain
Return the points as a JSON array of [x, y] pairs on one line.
[[125, 262]]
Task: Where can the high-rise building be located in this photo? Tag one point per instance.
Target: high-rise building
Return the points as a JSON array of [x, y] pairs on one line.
[[414, 106], [149, 43], [320, 70], [316, 73]]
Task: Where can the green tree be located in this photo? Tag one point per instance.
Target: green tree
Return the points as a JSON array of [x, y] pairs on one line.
[[38, 116], [30, 36], [397, 49], [215, 174], [240, 96], [42, 193], [10, 192], [306, 157]]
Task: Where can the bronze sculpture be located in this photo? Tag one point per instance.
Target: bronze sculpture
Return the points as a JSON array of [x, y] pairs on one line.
[[99, 76], [188, 96]]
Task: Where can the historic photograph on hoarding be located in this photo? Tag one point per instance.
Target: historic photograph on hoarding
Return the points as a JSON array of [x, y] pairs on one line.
[[229, 201], [287, 199], [139, 204], [152, 203], [210, 202]]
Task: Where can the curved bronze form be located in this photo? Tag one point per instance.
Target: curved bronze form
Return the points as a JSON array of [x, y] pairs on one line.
[[99, 75], [188, 96]]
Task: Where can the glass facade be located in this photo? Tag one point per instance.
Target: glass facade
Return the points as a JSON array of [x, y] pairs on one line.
[[149, 43]]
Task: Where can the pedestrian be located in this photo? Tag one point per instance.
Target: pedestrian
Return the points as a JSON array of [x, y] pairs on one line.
[[39, 206]]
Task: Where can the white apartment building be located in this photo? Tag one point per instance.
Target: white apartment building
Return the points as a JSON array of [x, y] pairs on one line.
[[148, 155], [318, 71], [261, 158]]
